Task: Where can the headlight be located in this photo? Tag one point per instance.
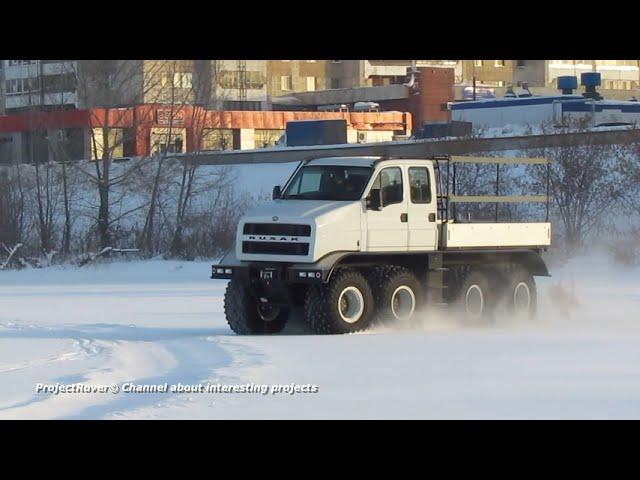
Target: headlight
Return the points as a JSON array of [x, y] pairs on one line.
[[312, 274]]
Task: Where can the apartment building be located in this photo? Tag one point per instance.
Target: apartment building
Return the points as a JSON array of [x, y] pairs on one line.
[[620, 78], [1, 87], [42, 84], [294, 76], [378, 73], [287, 76], [51, 84], [502, 73]]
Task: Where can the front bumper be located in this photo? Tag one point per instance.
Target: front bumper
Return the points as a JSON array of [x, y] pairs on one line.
[[268, 283], [270, 272]]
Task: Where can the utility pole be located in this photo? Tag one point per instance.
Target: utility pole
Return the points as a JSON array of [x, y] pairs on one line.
[[474, 79], [242, 80], [41, 83]]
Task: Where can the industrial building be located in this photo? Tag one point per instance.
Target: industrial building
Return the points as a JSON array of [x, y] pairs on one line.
[[620, 78], [149, 128], [564, 107]]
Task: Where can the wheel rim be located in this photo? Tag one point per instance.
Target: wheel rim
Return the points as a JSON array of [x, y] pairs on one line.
[[522, 297], [403, 303], [474, 301], [351, 304], [268, 313]]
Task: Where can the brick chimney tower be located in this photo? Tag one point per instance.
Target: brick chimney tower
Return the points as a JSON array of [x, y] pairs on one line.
[[436, 89]]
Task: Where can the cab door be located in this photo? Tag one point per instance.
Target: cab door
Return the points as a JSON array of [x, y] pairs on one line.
[[422, 208], [387, 228]]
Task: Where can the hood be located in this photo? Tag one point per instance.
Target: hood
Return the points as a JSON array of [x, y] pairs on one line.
[[334, 226], [301, 209]]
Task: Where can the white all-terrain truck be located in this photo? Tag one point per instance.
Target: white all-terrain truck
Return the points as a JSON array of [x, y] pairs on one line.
[[353, 240]]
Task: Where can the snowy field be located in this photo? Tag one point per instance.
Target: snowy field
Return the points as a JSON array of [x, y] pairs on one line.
[[157, 322]]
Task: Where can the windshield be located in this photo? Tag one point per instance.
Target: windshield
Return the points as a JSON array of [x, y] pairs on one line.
[[328, 182]]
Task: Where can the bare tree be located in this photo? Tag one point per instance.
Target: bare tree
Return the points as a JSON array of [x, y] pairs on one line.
[[587, 185], [45, 195], [12, 202], [104, 85], [207, 94], [177, 95], [482, 179]]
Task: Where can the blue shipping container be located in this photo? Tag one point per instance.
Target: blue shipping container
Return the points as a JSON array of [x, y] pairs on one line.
[[316, 132]]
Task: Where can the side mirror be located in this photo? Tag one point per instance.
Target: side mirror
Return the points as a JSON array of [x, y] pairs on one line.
[[276, 192], [374, 200]]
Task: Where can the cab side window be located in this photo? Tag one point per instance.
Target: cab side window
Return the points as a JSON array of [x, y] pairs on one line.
[[419, 185], [390, 182]]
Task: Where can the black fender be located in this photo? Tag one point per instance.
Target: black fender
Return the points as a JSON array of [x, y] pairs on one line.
[[238, 268], [533, 262], [231, 260], [326, 265]]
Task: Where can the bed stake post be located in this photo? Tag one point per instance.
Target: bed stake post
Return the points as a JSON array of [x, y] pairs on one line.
[[548, 187]]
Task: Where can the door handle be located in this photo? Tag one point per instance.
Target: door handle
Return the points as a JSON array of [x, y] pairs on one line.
[[404, 217], [432, 217]]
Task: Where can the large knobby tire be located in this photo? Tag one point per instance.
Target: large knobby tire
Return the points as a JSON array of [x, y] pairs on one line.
[[521, 297], [246, 317], [344, 305], [476, 300], [398, 295]]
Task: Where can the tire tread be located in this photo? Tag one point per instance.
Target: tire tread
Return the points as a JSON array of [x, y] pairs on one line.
[[318, 308]]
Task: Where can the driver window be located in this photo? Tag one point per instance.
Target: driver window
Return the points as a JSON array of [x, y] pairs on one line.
[[390, 181], [310, 182]]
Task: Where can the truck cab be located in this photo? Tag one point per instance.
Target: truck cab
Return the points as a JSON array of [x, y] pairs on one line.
[[344, 204]]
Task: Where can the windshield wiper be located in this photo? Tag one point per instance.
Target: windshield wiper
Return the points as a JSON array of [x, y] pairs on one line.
[[304, 196]]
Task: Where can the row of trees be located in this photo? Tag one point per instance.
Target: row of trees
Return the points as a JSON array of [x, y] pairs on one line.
[[594, 191], [181, 211]]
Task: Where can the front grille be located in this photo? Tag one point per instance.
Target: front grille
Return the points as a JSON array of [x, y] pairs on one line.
[[276, 248], [287, 229]]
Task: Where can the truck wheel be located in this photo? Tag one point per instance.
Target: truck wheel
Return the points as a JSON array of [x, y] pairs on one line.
[[522, 296], [476, 299], [246, 317], [343, 305], [398, 294]]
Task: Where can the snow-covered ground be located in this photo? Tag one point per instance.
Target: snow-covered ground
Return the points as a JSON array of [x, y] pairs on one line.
[[157, 322]]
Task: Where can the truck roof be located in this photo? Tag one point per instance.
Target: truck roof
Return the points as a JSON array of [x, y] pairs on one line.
[[355, 161], [347, 161]]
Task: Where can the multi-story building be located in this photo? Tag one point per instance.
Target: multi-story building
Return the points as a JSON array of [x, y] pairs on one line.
[[503, 73], [1, 87], [620, 78], [41, 84], [286, 76], [378, 73], [51, 84], [223, 84]]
